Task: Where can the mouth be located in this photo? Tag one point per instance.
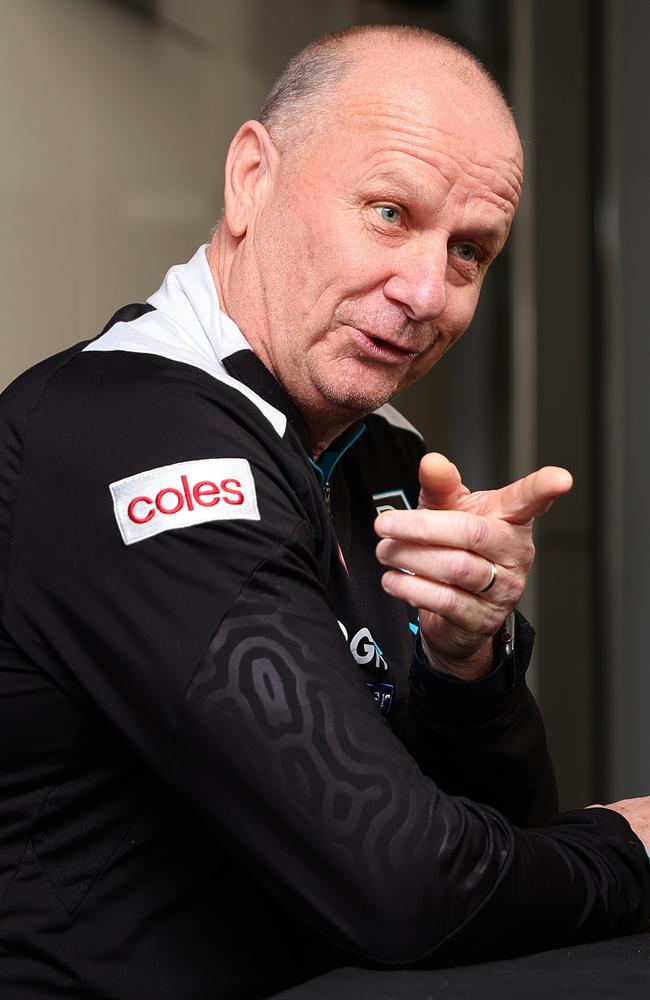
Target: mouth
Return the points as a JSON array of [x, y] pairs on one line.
[[382, 349]]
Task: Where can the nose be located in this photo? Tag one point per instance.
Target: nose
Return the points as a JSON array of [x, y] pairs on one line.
[[418, 282]]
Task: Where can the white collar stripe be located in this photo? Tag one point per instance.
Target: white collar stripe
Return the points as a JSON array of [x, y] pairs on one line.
[[188, 326], [395, 418]]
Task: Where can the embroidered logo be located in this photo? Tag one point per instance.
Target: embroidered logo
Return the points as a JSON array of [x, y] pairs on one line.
[[391, 500], [181, 495]]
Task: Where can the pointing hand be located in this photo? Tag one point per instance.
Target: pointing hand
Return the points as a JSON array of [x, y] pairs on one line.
[[467, 557]]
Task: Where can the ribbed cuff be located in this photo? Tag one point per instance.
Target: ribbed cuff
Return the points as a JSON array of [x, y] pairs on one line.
[[507, 671]]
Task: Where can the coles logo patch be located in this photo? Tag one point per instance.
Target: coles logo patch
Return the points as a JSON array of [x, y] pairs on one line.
[[178, 496]]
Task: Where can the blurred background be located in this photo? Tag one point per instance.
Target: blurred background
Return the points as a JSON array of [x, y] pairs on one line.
[[115, 116]]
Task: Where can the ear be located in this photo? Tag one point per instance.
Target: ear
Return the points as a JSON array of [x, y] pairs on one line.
[[249, 164]]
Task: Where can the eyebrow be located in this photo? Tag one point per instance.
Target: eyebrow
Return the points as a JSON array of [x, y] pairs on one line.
[[396, 180], [396, 183]]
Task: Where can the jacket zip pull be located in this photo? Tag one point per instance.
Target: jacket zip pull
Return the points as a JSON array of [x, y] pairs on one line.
[[327, 489]]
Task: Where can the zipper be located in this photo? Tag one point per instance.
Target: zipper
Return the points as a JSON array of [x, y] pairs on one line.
[[327, 491]]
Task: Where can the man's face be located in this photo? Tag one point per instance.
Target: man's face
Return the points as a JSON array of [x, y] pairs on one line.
[[370, 247]]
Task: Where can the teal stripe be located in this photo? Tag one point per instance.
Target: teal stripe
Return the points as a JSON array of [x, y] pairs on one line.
[[330, 458]]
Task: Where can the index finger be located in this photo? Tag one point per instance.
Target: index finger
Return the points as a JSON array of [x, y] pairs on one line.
[[531, 496], [452, 528]]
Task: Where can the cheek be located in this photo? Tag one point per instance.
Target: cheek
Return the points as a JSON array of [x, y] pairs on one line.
[[459, 312]]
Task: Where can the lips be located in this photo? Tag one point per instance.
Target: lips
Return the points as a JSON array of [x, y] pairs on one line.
[[384, 349]]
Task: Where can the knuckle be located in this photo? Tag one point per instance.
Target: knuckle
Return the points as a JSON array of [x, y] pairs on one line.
[[447, 601], [462, 569], [515, 591], [530, 553], [522, 563], [477, 531], [423, 525], [492, 623]]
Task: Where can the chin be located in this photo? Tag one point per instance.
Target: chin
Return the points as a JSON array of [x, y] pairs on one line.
[[358, 401], [354, 390]]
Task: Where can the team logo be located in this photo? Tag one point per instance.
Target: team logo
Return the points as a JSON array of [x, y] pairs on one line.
[[391, 500], [364, 649], [182, 495], [367, 654]]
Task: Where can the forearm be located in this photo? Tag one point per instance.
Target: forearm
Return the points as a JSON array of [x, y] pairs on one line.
[[336, 818], [484, 739], [582, 877]]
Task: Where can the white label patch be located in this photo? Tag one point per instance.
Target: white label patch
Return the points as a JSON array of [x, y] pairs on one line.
[[178, 496]]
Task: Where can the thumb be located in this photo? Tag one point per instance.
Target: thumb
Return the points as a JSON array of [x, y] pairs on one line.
[[440, 484], [519, 502]]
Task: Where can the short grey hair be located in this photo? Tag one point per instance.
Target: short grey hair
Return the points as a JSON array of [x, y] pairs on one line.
[[293, 107]]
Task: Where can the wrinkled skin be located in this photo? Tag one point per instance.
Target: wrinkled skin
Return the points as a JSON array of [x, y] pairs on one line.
[[448, 544], [355, 261], [352, 259]]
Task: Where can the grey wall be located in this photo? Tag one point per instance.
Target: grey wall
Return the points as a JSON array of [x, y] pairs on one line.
[[553, 366], [581, 357], [623, 489], [114, 125], [111, 157]]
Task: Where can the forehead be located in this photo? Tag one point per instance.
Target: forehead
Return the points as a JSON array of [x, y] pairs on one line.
[[427, 122]]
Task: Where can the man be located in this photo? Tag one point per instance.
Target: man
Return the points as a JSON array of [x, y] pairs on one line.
[[217, 780]]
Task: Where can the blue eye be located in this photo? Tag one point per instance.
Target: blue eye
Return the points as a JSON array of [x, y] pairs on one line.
[[388, 213], [466, 251]]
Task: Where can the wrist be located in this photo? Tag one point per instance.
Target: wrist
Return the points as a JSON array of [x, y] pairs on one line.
[[473, 667], [510, 664]]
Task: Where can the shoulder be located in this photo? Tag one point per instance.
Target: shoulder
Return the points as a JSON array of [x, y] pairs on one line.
[[154, 335], [390, 435], [388, 416], [110, 429], [24, 392], [131, 410]]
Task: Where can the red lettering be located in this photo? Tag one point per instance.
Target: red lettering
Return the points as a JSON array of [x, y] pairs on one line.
[[237, 494], [187, 492], [204, 494], [204, 490], [169, 510], [132, 514]]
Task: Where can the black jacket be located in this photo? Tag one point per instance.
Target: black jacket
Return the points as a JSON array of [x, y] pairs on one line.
[[216, 777]]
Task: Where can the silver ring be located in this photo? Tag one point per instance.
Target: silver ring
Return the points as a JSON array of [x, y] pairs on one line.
[[490, 583]]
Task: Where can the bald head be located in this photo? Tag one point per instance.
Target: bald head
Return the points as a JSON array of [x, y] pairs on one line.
[[311, 85], [361, 215]]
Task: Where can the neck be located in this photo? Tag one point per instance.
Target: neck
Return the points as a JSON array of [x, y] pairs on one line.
[[322, 436], [323, 424], [220, 261]]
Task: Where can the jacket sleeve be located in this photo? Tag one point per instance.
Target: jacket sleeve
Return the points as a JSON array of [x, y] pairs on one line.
[[346, 828], [214, 651], [484, 739]]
